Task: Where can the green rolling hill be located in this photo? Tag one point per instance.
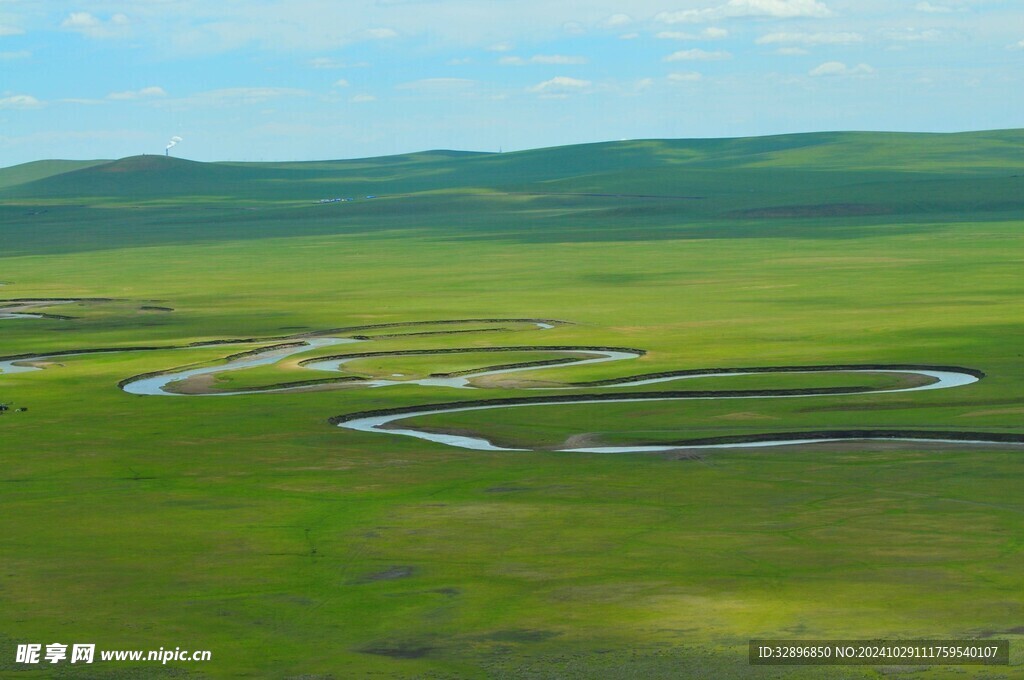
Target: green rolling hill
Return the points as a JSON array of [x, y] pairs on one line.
[[820, 185], [36, 170], [659, 165]]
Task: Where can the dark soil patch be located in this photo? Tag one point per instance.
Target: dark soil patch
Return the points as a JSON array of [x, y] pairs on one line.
[[444, 592], [521, 635], [1018, 630], [682, 455], [389, 574], [398, 650]]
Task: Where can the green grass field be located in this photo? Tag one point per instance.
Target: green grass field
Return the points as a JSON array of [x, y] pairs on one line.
[[249, 526]]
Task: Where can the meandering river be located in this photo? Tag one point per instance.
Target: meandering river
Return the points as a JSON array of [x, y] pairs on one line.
[[386, 422]]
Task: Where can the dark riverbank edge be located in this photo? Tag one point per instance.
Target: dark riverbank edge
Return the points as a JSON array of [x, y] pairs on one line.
[[668, 394], [920, 435], [472, 350], [782, 369], [297, 341]]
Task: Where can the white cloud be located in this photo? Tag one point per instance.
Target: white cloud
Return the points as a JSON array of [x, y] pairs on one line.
[[501, 47], [778, 9], [711, 33], [93, 27], [1017, 46], [617, 20], [792, 51], [84, 102], [10, 56], [20, 101], [557, 59], [697, 55], [326, 62], [80, 21], [192, 27], [381, 33], [10, 30], [330, 63], [341, 83], [810, 39], [629, 36], [363, 99], [560, 86], [913, 35], [838, 68], [144, 93], [933, 9], [685, 77], [830, 68]]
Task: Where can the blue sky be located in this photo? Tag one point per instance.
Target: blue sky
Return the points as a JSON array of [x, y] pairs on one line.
[[316, 79]]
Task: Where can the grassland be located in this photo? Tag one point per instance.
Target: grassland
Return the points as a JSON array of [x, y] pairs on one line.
[[248, 526]]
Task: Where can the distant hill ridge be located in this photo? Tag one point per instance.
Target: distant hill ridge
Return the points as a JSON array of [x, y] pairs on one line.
[[147, 177], [29, 172]]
